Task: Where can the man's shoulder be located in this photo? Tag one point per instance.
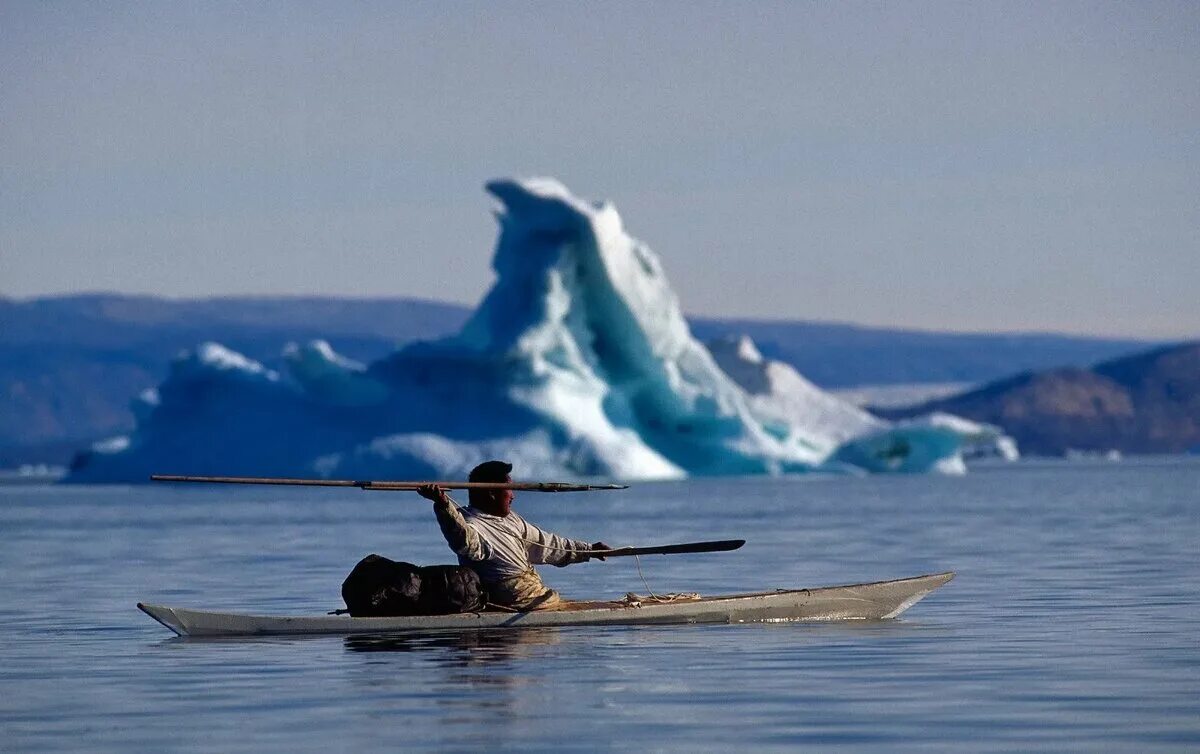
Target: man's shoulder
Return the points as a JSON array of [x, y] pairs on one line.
[[510, 523], [478, 515]]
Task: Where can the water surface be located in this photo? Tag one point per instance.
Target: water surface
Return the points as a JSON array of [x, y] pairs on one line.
[[1072, 623]]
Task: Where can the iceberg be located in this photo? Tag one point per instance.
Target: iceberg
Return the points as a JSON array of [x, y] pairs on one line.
[[853, 437], [578, 363], [781, 395]]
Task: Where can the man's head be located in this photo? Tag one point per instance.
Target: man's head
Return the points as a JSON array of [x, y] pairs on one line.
[[495, 502]]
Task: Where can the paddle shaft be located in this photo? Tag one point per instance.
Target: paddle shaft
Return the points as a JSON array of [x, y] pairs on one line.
[[390, 485], [724, 545]]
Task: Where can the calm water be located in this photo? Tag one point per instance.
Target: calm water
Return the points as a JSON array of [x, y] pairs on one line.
[[1073, 623]]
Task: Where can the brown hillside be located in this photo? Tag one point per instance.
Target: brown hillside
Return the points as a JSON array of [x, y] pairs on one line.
[[1146, 403]]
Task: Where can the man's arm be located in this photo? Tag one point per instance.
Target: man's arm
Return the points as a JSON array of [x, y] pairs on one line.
[[461, 536], [553, 549]]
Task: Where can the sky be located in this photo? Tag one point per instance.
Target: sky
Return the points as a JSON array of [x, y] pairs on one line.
[[949, 166]]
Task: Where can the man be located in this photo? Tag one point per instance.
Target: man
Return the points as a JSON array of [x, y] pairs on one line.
[[501, 546]]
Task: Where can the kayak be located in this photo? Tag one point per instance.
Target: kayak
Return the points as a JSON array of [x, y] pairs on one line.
[[880, 600]]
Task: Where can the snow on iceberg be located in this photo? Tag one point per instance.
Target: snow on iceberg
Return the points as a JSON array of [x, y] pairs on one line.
[[577, 363], [331, 377]]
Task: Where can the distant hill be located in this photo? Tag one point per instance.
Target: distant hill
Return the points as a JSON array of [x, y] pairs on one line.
[[69, 365], [1145, 403]]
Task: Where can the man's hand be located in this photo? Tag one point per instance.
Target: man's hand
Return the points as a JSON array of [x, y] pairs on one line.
[[599, 546], [434, 493]]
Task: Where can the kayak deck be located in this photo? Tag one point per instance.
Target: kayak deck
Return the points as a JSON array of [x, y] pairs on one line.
[[879, 600]]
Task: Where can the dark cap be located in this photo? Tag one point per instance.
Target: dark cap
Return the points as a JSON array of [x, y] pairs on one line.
[[490, 471]]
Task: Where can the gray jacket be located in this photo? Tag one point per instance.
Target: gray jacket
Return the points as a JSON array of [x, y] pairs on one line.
[[499, 548]]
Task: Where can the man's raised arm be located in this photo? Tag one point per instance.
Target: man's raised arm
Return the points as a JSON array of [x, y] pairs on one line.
[[463, 539]]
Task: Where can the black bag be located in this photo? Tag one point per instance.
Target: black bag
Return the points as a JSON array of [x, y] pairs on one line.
[[378, 587], [451, 589], [381, 587]]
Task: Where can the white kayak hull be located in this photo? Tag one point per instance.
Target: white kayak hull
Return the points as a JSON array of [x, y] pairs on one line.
[[880, 600]]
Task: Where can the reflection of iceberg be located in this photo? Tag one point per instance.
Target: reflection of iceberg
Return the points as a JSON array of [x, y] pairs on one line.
[[577, 363], [1112, 455], [32, 473]]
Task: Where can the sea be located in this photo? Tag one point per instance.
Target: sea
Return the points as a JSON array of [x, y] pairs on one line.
[[1073, 623]]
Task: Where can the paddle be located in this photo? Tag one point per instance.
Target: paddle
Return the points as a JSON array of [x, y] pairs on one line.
[[391, 485], [724, 545]]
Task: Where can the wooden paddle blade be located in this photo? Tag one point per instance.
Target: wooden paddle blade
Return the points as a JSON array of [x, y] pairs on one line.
[[723, 545]]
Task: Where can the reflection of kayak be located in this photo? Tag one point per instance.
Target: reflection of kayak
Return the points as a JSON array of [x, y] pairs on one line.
[[875, 601]]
